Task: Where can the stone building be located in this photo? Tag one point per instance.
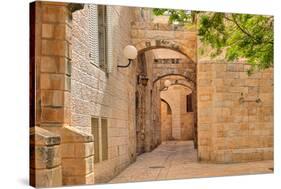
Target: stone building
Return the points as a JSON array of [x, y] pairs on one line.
[[94, 118]]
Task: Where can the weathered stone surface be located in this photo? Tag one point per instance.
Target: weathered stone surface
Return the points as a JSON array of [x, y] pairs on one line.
[[46, 177], [240, 119], [79, 180], [75, 150], [42, 137], [45, 157], [77, 166]]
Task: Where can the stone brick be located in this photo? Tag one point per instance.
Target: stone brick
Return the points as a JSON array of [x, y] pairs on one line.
[[51, 64], [55, 48], [46, 177], [55, 14], [236, 67], [53, 115], [74, 150], [54, 98], [79, 180], [53, 81], [77, 166], [45, 157], [48, 30]]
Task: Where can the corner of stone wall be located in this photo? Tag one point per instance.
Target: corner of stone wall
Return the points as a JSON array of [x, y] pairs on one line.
[[53, 73], [76, 156], [45, 158]]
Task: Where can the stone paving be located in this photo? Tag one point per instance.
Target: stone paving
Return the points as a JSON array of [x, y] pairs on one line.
[[178, 160]]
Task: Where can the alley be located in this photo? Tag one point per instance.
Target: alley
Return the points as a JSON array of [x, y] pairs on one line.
[[178, 160]]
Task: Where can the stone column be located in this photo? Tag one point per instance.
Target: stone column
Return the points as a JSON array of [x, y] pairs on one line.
[[53, 76]]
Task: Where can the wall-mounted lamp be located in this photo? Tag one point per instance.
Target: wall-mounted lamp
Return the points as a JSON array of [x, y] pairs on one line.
[[143, 79], [130, 52]]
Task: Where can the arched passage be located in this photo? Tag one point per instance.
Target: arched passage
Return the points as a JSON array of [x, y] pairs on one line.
[[166, 121]]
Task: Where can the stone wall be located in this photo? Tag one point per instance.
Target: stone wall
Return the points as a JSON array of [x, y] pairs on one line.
[[52, 102], [235, 112], [45, 158], [96, 93], [166, 122]]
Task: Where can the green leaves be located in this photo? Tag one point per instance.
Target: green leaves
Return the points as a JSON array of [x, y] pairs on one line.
[[238, 35]]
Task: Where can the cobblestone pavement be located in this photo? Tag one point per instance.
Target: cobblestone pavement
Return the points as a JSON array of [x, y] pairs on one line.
[[178, 160]]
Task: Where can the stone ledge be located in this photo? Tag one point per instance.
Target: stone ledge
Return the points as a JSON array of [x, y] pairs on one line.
[[42, 137], [71, 135]]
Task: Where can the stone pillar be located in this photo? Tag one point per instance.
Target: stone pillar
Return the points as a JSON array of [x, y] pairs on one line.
[[204, 111], [53, 76]]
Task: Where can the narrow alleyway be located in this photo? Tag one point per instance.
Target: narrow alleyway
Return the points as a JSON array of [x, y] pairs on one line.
[[178, 160]]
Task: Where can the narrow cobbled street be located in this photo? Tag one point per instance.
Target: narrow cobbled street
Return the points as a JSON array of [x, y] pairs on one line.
[[178, 160]]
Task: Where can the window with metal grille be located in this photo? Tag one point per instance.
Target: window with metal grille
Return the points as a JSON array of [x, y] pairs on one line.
[[189, 107]]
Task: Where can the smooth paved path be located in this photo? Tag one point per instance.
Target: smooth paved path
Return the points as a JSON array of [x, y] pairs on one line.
[[178, 160]]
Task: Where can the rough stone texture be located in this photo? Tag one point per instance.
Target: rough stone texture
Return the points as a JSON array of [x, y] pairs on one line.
[[232, 125], [53, 71], [45, 158], [95, 93], [166, 122]]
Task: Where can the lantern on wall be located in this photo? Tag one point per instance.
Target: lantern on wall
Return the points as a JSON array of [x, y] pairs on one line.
[[142, 79], [130, 52]]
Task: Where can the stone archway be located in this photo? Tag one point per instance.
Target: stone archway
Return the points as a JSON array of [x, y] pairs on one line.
[[150, 36]]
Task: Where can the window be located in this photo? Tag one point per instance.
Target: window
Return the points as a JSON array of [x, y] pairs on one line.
[[189, 107], [104, 139], [100, 134], [100, 36], [95, 132]]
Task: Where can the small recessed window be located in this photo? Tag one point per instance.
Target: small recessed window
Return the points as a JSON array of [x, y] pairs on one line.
[[189, 107]]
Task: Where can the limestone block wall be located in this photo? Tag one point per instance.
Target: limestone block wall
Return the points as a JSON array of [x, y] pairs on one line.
[[187, 126], [235, 112], [52, 102], [96, 93], [45, 158]]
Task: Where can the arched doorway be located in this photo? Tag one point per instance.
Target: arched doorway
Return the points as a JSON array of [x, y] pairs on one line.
[[159, 64]]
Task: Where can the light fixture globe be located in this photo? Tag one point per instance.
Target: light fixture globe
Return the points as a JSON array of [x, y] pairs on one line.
[[167, 83], [130, 52]]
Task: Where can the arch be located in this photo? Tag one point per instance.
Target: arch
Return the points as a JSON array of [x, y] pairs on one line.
[[166, 104], [174, 74], [150, 44], [182, 84]]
